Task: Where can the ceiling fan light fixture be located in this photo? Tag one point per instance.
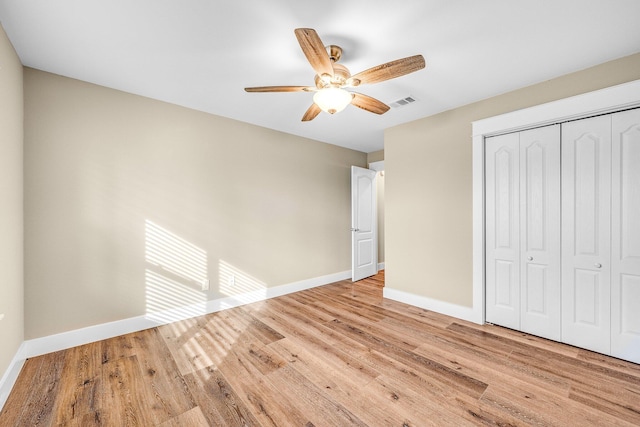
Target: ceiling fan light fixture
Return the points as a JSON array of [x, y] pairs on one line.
[[331, 78], [332, 99]]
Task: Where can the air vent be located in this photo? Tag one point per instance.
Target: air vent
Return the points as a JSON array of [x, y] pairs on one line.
[[402, 102]]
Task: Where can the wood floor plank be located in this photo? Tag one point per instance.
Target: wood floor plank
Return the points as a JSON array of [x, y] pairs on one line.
[[418, 409], [288, 306], [372, 408], [321, 340], [428, 317], [90, 419], [186, 343], [522, 337], [209, 346], [489, 370], [125, 394], [240, 356], [335, 355], [329, 372], [629, 368], [543, 408], [218, 401], [192, 418], [345, 308], [117, 347], [444, 374], [81, 385], [622, 405], [585, 377], [39, 407], [244, 323], [21, 393], [271, 406], [168, 395], [312, 400]]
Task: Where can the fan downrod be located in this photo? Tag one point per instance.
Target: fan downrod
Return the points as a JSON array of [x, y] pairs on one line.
[[334, 52]]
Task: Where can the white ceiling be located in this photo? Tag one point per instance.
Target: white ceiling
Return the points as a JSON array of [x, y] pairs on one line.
[[202, 53]]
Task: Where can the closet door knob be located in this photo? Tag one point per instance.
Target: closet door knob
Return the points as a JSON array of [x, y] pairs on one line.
[[598, 265], [530, 258]]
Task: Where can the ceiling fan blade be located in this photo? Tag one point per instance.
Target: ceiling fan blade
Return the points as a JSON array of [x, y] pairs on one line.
[[369, 104], [389, 70], [314, 50], [311, 113], [280, 89]]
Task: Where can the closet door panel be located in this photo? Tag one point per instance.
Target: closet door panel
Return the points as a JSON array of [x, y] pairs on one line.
[[540, 231], [502, 231], [586, 240], [625, 236]]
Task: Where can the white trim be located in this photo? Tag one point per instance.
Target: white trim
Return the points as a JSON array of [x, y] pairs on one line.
[[11, 375], [65, 340], [608, 100], [380, 266], [454, 310], [602, 101]]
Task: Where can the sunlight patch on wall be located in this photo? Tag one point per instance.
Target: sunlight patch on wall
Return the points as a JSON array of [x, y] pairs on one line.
[[175, 254], [173, 277], [238, 284], [169, 300]]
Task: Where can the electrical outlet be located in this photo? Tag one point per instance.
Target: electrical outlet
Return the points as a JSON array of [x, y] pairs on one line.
[[205, 284]]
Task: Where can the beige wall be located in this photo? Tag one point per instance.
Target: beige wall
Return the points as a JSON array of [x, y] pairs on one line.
[[130, 200], [375, 156], [11, 211], [428, 203]]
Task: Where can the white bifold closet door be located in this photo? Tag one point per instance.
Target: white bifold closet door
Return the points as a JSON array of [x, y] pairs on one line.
[[522, 187], [625, 236], [586, 228], [601, 234]]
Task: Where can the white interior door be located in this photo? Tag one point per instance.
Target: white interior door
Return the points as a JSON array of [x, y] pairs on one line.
[[540, 310], [364, 252], [625, 236], [502, 230], [586, 235]]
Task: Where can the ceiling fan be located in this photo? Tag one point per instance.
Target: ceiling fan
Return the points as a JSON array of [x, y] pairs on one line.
[[332, 78]]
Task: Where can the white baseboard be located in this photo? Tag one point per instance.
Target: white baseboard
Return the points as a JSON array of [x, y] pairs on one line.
[[380, 266], [454, 310], [11, 375], [48, 344], [64, 340]]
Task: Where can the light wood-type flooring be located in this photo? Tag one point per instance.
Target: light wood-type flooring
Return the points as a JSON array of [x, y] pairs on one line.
[[336, 355]]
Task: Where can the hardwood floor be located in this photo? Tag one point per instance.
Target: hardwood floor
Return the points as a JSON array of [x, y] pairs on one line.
[[336, 355]]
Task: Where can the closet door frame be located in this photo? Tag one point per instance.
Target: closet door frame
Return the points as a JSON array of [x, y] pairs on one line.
[[602, 101]]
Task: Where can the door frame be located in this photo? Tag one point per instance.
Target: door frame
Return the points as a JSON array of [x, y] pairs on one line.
[[608, 100]]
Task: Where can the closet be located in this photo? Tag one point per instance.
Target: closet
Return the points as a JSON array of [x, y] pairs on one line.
[[562, 227]]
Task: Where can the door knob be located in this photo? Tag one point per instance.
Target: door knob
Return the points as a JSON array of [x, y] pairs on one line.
[[355, 229], [530, 258], [598, 265]]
